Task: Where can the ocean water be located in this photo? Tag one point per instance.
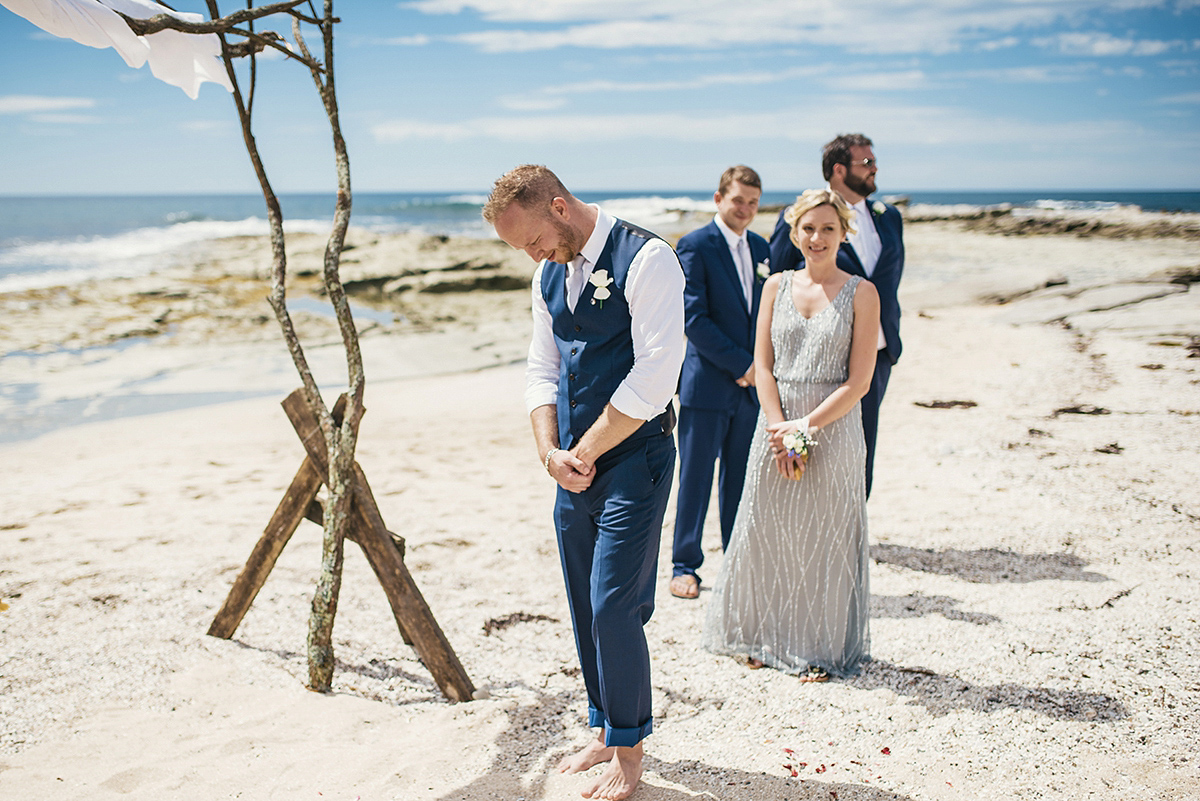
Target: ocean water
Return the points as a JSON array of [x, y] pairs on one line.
[[50, 241]]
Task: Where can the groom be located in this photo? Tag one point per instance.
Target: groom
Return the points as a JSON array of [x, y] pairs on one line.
[[875, 251], [718, 406], [603, 366]]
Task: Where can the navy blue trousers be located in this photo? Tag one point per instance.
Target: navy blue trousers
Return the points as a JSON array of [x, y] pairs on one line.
[[705, 436], [870, 409], [608, 537]]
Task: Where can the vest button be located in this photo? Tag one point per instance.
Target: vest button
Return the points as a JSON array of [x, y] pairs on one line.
[[570, 376], [577, 328], [573, 404], [574, 351]]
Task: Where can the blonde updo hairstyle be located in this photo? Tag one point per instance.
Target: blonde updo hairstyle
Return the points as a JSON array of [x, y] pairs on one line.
[[813, 198]]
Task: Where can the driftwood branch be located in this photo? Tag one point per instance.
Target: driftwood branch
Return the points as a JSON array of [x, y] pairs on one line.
[[218, 24], [343, 439], [340, 438], [256, 42]]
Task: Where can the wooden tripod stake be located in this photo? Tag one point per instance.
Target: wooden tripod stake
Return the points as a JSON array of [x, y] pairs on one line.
[[383, 549]]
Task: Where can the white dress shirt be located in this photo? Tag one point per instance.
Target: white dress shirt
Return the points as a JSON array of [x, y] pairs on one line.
[[865, 238], [654, 292], [867, 245], [739, 248]]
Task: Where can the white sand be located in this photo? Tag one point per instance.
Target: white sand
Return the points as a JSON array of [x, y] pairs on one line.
[[1034, 609]]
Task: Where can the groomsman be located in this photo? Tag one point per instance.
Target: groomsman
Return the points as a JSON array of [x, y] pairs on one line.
[[603, 367], [875, 251], [724, 265]]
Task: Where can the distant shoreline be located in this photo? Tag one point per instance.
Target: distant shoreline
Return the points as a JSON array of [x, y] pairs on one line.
[[47, 242]]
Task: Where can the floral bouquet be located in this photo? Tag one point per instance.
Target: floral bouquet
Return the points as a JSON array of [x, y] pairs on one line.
[[799, 446]]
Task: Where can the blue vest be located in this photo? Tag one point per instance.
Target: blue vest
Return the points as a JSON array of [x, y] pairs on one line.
[[595, 342]]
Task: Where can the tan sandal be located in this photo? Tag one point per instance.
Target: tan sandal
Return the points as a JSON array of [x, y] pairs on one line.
[[814, 673], [685, 586]]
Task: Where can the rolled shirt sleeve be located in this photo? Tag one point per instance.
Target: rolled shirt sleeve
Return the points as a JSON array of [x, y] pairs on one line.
[[541, 369], [654, 291]]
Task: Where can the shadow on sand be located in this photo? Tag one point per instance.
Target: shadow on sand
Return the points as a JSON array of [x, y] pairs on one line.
[[916, 604], [942, 694], [988, 565], [521, 769]]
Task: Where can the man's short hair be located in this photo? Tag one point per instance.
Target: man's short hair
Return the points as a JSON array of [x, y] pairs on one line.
[[742, 174], [530, 186], [838, 151], [814, 198]]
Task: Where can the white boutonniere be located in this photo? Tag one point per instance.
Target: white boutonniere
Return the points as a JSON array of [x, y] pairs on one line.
[[763, 269], [600, 280], [879, 207]]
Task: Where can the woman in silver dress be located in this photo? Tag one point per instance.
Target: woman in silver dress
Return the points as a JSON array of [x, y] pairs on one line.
[[792, 592]]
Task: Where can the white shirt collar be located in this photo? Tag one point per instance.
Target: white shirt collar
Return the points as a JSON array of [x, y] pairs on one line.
[[596, 242], [731, 238]]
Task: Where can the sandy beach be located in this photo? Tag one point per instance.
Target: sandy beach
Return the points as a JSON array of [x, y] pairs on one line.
[[1034, 528]]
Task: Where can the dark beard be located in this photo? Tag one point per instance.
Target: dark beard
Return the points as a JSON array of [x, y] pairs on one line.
[[857, 185]]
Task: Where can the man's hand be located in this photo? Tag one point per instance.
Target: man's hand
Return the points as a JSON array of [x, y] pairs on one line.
[[748, 379], [571, 474]]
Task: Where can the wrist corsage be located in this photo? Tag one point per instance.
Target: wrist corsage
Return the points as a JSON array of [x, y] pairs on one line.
[[799, 446]]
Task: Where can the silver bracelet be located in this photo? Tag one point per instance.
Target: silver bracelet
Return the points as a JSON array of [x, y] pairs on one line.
[[546, 461]]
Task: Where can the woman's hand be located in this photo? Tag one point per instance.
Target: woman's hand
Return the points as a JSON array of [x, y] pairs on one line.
[[788, 466], [776, 431]]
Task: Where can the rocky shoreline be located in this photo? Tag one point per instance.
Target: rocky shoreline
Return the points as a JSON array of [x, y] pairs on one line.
[[412, 283]]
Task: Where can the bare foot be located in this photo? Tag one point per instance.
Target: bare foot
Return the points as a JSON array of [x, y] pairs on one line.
[[621, 777], [593, 753]]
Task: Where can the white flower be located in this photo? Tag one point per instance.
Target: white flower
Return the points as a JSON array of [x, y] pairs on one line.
[[879, 207], [600, 280], [181, 59], [763, 269]]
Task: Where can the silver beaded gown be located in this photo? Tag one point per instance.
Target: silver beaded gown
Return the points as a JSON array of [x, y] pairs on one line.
[[793, 591]]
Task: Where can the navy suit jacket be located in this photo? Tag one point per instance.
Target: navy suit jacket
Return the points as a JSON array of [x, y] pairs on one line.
[[886, 278], [719, 327]]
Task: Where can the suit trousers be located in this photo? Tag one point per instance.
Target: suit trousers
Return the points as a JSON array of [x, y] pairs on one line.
[[608, 538], [706, 435], [870, 409]]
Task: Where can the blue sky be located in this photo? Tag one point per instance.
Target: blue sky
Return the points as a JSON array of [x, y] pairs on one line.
[[642, 94]]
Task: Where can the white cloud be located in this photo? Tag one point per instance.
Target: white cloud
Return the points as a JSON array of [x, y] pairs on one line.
[[824, 76], [417, 40], [1105, 44], [871, 26], [999, 44], [1189, 98], [697, 82], [30, 104], [881, 81], [589, 128], [65, 119], [893, 125], [531, 102], [1031, 74]]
